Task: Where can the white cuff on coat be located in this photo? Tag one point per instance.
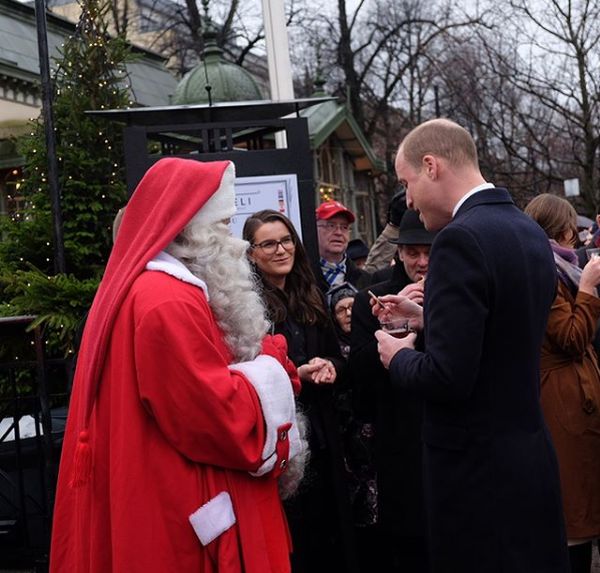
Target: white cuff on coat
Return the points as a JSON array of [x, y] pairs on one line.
[[274, 389], [214, 518]]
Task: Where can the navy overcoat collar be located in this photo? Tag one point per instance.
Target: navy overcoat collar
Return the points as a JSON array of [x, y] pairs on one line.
[[494, 196]]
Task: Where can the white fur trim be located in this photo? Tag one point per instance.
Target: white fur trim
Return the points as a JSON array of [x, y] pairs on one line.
[[274, 389], [221, 204], [166, 263], [296, 444], [214, 518]]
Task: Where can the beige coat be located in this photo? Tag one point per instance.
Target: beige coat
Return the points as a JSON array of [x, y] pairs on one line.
[[570, 395]]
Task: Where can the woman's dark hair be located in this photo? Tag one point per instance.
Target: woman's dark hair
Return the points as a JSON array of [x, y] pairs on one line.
[[302, 298]]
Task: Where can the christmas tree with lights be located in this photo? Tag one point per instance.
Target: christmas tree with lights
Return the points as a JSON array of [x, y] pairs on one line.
[[90, 75]]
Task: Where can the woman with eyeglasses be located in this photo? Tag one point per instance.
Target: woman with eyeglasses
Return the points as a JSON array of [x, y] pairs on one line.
[[319, 515], [340, 300]]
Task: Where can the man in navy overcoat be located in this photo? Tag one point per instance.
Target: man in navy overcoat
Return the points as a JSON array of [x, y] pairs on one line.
[[491, 477]]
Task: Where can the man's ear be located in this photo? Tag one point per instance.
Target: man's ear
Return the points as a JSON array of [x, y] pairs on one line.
[[400, 251], [598, 219], [430, 165]]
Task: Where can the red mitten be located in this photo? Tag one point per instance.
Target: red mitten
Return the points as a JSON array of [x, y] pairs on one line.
[[276, 346]]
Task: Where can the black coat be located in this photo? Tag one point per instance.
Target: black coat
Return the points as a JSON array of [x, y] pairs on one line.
[[385, 274], [320, 515], [397, 416], [491, 476]]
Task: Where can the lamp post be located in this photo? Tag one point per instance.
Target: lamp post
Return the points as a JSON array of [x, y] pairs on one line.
[[57, 226]]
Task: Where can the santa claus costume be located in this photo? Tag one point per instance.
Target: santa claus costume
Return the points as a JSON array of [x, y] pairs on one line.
[[172, 449]]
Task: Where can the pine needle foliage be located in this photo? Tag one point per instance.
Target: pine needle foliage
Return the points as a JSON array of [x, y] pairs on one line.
[[90, 75], [60, 303]]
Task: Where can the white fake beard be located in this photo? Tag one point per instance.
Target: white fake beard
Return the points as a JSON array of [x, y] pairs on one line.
[[213, 255]]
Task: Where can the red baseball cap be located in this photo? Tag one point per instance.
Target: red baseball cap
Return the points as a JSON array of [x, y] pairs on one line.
[[331, 209]]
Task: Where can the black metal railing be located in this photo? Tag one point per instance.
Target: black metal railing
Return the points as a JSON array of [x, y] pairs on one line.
[[33, 399]]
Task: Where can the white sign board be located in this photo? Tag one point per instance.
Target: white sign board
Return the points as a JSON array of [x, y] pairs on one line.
[[571, 187], [277, 192]]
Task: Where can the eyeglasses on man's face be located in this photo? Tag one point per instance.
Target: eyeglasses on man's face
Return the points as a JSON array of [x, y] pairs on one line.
[[270, 247], [331, 227]]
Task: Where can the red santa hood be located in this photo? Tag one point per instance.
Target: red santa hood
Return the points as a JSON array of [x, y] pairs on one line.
[[170, 194]]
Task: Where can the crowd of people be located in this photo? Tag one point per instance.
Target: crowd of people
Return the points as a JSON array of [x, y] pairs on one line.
[[426, 405]]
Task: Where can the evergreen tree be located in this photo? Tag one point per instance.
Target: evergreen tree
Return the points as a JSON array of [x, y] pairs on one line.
[[90, 75]]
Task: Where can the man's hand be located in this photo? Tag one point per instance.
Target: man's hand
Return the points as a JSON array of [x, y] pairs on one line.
[[399, 306], [388, 346], [414, 291]]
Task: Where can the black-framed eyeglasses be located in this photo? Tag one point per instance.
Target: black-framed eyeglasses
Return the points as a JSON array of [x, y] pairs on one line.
[[270, 247]]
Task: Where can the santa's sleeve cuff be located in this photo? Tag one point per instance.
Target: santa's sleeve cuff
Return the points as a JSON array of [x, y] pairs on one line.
[[274, 389]]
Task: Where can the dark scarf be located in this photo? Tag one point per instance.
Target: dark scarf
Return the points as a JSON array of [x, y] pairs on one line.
[[566, 265]]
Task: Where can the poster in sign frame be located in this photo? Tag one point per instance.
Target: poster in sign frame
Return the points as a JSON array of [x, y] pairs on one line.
[[277, 192]]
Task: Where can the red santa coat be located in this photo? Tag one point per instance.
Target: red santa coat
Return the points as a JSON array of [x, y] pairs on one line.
[[174, 425]]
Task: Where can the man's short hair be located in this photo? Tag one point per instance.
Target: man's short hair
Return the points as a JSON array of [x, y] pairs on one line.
[[441, 138]]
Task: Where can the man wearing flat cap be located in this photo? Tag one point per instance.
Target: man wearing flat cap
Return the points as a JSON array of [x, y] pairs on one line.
[[396, 419], [333, 230]]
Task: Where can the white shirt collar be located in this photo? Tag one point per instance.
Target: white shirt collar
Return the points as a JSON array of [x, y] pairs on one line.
[[469, 194]]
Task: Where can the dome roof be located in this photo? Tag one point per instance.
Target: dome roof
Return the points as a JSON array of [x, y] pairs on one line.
[[228, 81]]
